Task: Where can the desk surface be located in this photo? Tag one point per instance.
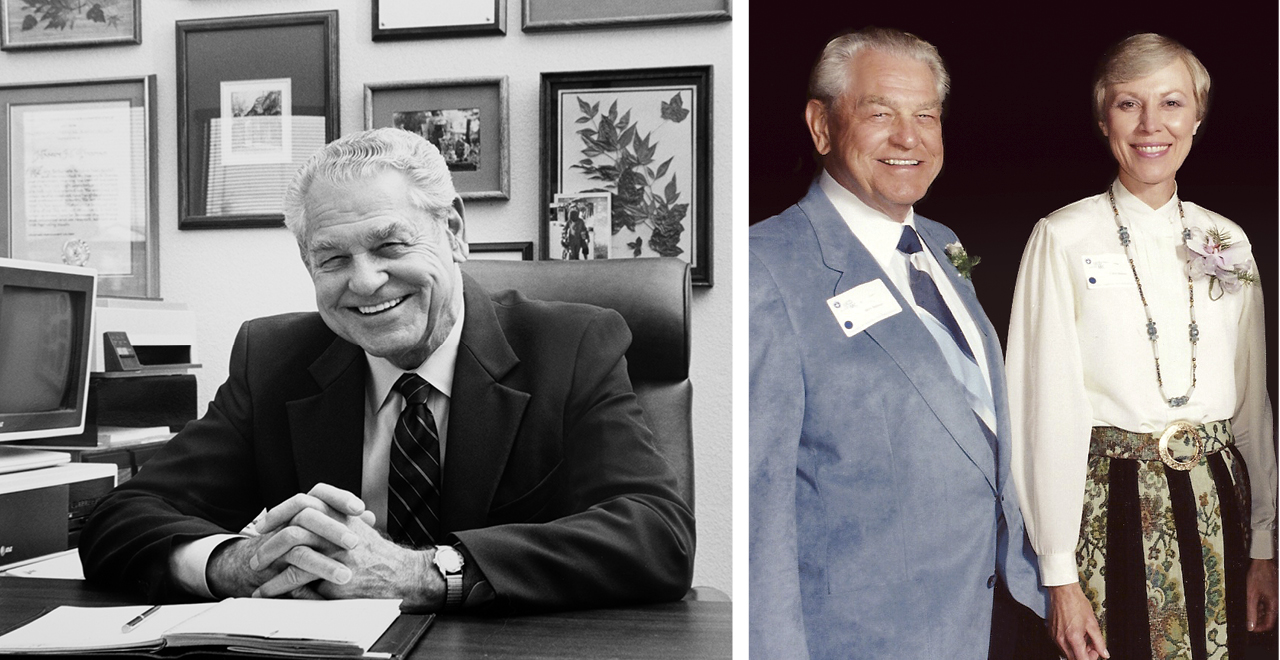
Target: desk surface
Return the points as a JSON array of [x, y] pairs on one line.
[[686, 629]]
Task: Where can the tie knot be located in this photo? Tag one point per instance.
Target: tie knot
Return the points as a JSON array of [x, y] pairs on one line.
[[413, 388], [910, 242]]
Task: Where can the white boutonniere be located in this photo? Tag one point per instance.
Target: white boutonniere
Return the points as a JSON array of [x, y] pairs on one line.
[[961, 259], [1211, 254]]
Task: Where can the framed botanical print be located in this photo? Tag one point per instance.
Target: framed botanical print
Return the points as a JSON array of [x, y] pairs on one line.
[[626, 166]]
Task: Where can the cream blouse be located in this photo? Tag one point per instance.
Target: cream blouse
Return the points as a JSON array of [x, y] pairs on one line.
[[1079, 357]]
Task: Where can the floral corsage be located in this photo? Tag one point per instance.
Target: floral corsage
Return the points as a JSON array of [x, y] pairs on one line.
[[1211, 254], [960, 258]]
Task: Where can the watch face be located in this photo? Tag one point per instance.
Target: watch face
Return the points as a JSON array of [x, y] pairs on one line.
[[448, 560]]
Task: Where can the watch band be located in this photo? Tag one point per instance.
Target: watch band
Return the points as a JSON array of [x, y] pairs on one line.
[[450, 562]]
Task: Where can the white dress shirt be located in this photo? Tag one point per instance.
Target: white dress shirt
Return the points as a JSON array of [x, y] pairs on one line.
[[1079, 357], [880, 235], [382, 408]]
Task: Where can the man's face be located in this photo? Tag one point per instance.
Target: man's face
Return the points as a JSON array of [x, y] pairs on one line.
[[383, 269], [882, 139]]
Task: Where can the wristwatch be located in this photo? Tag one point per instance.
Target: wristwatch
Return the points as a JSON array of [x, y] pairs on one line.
[[449, 561]]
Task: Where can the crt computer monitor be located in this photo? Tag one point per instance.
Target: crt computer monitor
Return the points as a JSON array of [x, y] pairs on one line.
[[46, 330]]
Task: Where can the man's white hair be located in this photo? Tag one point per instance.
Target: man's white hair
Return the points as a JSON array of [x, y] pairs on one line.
[[830, 77], [365, 154]]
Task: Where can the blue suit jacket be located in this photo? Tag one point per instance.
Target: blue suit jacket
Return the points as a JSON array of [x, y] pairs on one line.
[[879, 516]]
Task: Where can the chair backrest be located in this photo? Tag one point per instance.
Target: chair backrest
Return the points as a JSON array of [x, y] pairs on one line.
[[652, 295]]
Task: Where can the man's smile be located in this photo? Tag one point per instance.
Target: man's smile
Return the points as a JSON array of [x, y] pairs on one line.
[[380, 307]]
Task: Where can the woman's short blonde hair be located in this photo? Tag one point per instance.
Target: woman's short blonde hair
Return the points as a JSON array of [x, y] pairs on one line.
[[1142, 55]]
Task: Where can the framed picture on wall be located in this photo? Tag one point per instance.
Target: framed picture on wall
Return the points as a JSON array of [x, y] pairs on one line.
[[257, 96], [32, 24], [517, 251], [78, 175], [545, 15], [466, 118], [426, 19], [626, 165]]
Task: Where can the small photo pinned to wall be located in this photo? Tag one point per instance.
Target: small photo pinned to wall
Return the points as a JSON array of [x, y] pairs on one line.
[[257, 120], [583, 224], [455, 132]]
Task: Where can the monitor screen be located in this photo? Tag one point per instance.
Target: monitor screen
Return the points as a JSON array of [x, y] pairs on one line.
[[46, 316]]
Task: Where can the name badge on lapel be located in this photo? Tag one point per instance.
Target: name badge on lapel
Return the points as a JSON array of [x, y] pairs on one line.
[[1107, 271], [863, 306]]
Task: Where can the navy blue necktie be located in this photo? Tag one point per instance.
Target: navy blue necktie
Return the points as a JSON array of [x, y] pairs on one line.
[[926, 292], [413, 482], [964, 366]]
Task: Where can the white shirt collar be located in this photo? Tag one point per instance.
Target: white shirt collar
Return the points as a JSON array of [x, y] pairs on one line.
[[1134, 211], [878, 232], [437, 369]]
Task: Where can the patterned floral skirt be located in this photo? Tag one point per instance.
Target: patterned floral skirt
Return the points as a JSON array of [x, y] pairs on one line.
[[1163, 550]]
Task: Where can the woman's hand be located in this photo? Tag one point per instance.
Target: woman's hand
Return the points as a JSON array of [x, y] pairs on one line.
[[1072, 624], [1261, 594]]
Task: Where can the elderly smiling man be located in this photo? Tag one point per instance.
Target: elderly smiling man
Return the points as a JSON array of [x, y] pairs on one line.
[[417, 438], [883, 518]]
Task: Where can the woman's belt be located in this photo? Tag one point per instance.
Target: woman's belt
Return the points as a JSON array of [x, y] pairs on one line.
[[1180, 446]]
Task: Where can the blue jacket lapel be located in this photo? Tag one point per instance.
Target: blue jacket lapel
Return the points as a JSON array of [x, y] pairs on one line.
[[902, 335]]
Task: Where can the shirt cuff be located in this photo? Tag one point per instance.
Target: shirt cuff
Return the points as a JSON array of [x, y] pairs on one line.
[[189, 561], [1263, 544], [1058, 569]]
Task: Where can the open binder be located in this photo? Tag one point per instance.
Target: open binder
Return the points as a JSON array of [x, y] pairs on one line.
[[303, 628]]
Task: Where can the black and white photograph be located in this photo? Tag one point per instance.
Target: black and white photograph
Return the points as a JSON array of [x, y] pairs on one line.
[[455, 132], [583, 224], [257, 121]]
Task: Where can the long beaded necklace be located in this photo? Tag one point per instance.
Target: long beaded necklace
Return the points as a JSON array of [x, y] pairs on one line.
[[1194, 331]]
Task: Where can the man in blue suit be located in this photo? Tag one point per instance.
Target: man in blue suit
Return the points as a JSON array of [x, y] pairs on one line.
[[883, 517]]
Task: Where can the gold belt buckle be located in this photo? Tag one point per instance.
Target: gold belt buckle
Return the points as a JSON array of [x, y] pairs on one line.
[[1173, 430]]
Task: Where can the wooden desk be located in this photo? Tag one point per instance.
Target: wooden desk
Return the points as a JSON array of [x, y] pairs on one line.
[[685, 629]]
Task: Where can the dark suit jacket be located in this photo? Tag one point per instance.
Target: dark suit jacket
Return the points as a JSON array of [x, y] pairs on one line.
[[551, 480], [879, 514]]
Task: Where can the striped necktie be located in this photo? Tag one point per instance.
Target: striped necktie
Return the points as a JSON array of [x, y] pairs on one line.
[[946, 332], [413, 500]]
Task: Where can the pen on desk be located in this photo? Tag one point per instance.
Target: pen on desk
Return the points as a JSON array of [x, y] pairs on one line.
[[137, 620]]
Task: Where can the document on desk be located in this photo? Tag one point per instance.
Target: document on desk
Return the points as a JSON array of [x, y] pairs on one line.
[[305, 628]]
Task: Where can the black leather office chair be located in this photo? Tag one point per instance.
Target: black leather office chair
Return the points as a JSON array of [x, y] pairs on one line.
[[652, 295]]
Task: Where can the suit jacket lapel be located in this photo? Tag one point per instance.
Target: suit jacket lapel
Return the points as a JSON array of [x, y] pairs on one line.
[[902, 335], [327, 429], [484, 415]]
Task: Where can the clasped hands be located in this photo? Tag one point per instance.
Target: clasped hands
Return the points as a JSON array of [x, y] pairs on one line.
[[322, 544]]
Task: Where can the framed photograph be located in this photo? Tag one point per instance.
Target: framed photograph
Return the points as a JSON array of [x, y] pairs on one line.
[[518, 251], [257, 96], [641, 139], [78, 166], [545, 15], [427, 19], [32, 24], [465, 118]]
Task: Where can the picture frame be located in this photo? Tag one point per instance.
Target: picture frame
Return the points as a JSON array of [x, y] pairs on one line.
[[549, 15], [40, 24], [513, 251], [428, 19], [78, 168], [466, 118], [257, 96], [658, 122]]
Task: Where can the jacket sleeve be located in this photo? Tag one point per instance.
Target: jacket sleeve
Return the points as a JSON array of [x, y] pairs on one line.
[[614, 530], [776, 414], [201, 483]]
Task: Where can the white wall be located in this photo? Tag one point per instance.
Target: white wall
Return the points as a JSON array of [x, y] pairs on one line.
[[228, 276]]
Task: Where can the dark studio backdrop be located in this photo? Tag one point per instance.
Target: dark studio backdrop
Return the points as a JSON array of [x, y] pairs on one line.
[[1017, 127]]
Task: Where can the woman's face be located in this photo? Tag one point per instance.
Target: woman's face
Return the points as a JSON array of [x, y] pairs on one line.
[[1149, 124]]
